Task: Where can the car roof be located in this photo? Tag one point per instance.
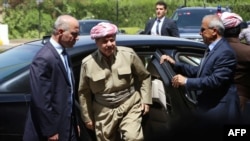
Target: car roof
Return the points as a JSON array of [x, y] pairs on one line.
[[94, 20], [139, 40], [132, 40], [202, 8]]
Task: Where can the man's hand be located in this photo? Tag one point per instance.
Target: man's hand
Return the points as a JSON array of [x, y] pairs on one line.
[[166, 58], [178, 80], [78, 130], [145, 108], [89, 125], [54, 137]]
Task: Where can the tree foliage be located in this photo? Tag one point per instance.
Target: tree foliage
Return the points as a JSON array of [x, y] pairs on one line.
[[24, 22]]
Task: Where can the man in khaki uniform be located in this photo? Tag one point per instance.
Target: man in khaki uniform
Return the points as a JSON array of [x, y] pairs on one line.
[[111, 104]]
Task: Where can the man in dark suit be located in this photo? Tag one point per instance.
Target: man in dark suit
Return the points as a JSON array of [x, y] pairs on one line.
[[161, 25], [51, 116], [218, 103]]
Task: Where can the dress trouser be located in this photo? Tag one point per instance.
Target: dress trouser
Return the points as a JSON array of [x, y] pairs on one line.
[[119, 123]]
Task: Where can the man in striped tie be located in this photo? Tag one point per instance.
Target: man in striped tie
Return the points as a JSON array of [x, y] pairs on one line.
[[217, 99]]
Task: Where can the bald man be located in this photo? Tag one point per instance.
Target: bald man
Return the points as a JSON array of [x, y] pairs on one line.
[[111, 104], [213, 79], [51, 116]]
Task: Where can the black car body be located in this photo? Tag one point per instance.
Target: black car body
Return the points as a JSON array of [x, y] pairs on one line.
[[189, 19], [15, 87]]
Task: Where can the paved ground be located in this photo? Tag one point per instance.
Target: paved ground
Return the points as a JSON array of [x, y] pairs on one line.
[[13, 43]]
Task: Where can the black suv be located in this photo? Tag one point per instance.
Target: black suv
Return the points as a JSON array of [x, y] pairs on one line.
[[189, 19]]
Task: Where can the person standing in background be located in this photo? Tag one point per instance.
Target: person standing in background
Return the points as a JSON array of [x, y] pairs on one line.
[[161, 25], [51, 116], [114, 88], [232, 23]]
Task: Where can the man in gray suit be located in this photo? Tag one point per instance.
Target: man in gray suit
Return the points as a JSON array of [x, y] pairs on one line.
[[161, 25]]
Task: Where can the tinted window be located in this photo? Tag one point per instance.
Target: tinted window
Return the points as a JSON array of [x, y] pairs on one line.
[[86, 27], [15, 59]]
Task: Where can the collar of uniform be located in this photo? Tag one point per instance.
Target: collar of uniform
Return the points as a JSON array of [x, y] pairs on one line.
[[101, 57]]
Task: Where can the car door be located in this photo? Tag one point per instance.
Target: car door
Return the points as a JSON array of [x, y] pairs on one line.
[[15, 90], [165, 116]]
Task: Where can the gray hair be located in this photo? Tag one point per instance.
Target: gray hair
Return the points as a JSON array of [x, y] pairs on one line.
[[62, 22], [215, 22]]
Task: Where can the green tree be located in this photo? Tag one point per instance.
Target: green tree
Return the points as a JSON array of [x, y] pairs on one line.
[[23, 20]]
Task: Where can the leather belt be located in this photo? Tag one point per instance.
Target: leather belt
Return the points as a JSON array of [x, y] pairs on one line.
[[114, 99]]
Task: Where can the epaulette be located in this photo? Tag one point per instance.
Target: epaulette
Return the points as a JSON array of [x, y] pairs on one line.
[[127, 49], [89, 57]]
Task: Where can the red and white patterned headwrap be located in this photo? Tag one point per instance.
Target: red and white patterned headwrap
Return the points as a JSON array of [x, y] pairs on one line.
[[103, 29], [230, 20]]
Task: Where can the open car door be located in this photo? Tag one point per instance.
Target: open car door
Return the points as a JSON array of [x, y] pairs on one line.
[[170, 105]]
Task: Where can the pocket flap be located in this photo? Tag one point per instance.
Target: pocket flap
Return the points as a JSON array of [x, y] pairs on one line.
[[123, 71], [98, 76]]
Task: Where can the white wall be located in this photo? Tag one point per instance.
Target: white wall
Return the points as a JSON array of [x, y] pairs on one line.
[[4, 34]]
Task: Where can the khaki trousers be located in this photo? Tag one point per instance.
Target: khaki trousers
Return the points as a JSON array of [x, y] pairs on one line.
[[120, 123]]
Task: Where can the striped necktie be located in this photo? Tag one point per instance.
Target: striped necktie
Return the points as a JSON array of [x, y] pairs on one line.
[[202, 61]]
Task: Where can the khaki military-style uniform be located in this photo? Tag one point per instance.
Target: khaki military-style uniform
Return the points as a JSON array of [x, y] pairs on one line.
[[111, 93]]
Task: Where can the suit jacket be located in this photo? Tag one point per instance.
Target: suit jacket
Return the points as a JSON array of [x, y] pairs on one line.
[[50, 110], [169, 27], [216, 93]]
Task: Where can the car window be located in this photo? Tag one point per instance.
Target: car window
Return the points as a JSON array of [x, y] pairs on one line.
[[185, 57], [145, 58], [85, 27], [189, 59], [15, 59]]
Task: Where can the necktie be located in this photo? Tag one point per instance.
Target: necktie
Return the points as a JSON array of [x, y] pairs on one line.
[[65, 57], [157, 27], [202, 61], [66, 63]]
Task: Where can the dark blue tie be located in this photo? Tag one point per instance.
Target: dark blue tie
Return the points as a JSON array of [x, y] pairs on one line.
[[68, 70], [65, 57], [157, 27]]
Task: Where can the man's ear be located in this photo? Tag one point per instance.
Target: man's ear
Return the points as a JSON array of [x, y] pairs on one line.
[[60, 31]]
